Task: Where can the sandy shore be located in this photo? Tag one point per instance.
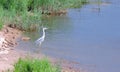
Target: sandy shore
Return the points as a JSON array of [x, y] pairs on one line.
[[9, 55], [8, 38]]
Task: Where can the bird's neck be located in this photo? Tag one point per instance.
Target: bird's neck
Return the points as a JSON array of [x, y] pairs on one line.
[[43, 32]]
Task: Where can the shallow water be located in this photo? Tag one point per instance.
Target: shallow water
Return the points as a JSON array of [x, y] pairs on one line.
[[89, 36]]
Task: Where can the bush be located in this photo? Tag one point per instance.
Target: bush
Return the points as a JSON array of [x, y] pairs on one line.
[[35, 65]]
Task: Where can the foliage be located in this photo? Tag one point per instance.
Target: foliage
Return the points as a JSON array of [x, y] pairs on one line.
[[35, 65], [16, 12], [26, 13]]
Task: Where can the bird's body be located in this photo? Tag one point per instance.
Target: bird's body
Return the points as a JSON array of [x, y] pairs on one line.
[[41, 39]]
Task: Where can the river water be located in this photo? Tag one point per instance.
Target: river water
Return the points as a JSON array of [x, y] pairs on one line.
[[89, 35]]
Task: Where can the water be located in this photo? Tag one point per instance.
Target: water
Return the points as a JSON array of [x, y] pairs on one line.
[[90, 36]]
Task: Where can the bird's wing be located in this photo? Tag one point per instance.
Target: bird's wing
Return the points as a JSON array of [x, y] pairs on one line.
[[39, 40]]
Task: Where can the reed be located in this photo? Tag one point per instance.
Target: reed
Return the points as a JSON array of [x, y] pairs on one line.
[[26, 13]]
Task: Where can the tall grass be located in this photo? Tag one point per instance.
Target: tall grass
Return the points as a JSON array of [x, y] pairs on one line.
[[35, 65], [16, 12], [26, 13]]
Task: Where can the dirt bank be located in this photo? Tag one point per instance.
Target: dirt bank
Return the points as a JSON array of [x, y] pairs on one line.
[[8, 38]]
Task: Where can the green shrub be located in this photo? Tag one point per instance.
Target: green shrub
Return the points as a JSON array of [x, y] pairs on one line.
[[35, 65]]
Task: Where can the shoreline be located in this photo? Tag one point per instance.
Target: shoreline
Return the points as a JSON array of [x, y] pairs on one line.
[[8, 38], [9, 55]]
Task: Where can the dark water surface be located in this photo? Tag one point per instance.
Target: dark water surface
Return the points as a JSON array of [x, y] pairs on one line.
[[90, 36]]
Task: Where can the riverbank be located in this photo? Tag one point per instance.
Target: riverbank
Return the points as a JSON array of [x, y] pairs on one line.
[[8, 38], [9, 55]]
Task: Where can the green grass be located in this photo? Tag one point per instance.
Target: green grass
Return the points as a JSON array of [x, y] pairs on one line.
[[26, 13], [34, 65], [16, 12]]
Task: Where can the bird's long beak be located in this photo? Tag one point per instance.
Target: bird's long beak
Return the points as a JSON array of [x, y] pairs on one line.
[[45, 28]]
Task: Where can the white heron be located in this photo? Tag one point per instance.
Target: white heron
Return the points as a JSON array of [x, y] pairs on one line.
[[41, 39]]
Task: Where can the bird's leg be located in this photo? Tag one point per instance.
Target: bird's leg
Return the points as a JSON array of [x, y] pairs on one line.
[[39, 44]]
